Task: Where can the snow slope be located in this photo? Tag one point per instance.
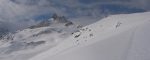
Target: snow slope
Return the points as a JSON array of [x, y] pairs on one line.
[[117, 37], [27, 43]]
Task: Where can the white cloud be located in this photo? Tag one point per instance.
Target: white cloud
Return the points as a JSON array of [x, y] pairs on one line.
[[18, 11], [28, 8]]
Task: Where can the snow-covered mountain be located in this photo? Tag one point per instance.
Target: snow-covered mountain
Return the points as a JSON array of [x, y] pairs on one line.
[[37, 38], [117, 37], [54, 21]]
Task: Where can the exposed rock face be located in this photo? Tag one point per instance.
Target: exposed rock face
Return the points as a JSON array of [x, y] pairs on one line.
[[59, 19], [41, 24], [68, 23], [54, 20]]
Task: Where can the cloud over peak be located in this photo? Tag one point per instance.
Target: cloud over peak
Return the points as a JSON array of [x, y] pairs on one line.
[[19, 11]]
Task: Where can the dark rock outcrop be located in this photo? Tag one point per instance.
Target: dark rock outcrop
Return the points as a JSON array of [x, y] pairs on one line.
[[41, 24], [55, 20]]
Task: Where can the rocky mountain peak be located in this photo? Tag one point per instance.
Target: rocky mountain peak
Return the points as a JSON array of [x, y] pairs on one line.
[[59, 19], [55, 19]]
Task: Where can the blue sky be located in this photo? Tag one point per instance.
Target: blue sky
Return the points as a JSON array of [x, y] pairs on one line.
[[26, 9], [27, 12]]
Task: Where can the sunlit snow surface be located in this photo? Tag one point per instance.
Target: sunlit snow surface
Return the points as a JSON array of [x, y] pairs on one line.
[[117, 37], [29, 42]]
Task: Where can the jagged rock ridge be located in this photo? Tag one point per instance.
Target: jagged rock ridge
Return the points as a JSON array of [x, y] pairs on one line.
[[54, 20]]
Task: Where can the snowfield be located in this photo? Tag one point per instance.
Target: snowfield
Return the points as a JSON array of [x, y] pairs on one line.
[[29, 42], [117, 37]]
